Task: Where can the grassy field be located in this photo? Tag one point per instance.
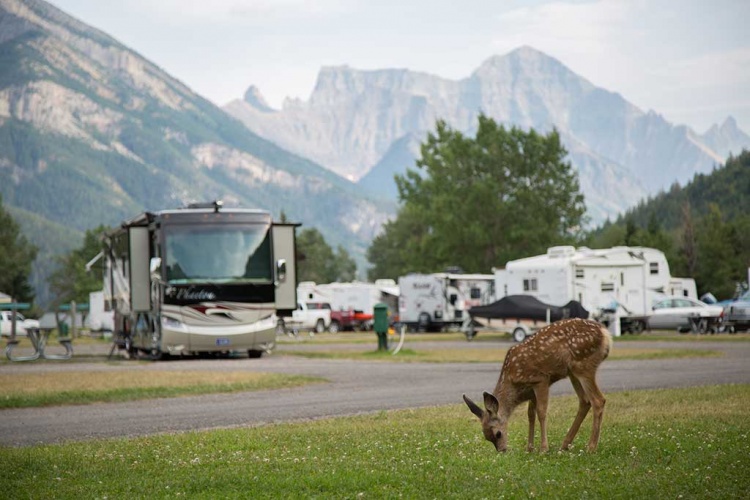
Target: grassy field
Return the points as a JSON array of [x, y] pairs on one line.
[[19, 390], [688, 443]]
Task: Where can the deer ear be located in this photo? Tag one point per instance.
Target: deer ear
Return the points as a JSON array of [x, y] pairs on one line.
[[473, 407], [490, 402]]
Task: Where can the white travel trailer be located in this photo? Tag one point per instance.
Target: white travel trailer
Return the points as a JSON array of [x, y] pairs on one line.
[[354, 296], [628, 278], [442, 300], [202, 279]]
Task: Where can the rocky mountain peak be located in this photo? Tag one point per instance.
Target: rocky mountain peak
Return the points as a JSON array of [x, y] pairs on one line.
[[255, 99]]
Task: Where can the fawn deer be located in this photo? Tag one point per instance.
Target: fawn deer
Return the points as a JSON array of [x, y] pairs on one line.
[[572, 348]]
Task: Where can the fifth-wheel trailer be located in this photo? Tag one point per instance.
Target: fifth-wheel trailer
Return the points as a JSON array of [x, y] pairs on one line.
[[202, 279]]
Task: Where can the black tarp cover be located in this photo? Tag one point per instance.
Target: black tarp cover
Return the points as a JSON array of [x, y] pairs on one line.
[[528, 307]]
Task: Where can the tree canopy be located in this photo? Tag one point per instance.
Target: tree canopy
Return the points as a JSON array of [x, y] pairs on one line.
[[319, 263], [17, 255], [477, 202], [70, 281]]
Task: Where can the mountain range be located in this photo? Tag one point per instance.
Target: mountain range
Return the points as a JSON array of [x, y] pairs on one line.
[[93, 133], [367, 125]]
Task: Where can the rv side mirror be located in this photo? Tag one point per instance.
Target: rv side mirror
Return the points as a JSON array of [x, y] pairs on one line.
[[280, 270], [155, 268]]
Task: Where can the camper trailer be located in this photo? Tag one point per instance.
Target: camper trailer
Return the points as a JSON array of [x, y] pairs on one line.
[[625, 279], [441, 300], [203, 279], [357, 297]]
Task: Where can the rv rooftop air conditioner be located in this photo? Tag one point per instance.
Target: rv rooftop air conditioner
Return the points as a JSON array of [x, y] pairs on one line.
[[561, 251]]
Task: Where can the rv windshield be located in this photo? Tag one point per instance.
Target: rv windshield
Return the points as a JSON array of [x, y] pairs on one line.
[[231, 253]]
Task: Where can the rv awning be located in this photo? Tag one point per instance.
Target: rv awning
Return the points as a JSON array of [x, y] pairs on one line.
[[528, 307]]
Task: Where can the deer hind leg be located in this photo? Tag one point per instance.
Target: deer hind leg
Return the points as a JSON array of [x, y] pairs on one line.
[[541, 394], [597, 400], [583, 410], [532, 417]]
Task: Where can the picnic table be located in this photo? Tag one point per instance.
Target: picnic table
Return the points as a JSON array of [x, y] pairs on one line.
[[39, 338]]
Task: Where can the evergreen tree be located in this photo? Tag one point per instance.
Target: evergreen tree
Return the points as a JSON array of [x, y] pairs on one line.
[[319, 263], [16, 258], [70, 281]]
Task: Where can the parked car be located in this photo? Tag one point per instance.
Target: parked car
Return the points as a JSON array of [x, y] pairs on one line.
[[737, 313], [6, 323], [684, 314]]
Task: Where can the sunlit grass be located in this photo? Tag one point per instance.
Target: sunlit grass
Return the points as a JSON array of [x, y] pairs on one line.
[[687, 443], [44, 389]]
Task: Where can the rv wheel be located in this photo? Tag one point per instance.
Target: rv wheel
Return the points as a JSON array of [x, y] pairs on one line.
[[519, 334]]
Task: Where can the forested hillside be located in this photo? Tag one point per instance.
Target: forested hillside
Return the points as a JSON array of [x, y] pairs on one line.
[[703, 227]]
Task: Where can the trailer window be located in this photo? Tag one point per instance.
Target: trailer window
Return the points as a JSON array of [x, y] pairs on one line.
[[654, 267], [529, 285], [579, 273], [608, 287], [229, 253], [476, 293]]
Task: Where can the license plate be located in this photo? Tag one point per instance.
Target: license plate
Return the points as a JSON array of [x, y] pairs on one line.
[[222, 341]]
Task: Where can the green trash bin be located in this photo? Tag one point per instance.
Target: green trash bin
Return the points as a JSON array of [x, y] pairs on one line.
[[380, 325]]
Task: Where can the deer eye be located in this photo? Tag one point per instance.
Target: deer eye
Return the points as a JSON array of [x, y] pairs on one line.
[[498, 435]]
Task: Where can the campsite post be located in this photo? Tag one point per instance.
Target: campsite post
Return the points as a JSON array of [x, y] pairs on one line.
[[380, 325]]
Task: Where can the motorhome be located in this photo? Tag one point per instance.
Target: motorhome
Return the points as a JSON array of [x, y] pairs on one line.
[[441, 300], [202, 279], [626, 278]]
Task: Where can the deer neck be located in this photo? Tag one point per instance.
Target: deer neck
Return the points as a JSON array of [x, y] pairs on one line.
[[508, 397]]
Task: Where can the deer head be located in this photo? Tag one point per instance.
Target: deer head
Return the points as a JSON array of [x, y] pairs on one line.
[[494, 426]]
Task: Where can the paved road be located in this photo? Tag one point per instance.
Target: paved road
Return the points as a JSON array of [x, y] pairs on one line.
[[354, 387]]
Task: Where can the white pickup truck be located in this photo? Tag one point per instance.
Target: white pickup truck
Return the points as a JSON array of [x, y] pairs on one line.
[[312, 316], [6, 324]]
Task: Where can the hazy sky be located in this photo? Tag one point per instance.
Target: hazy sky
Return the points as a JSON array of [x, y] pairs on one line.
[[688, 60]]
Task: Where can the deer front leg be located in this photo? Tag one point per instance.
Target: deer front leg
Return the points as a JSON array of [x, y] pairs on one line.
[[541, 394], [583, 410], [532, 418]]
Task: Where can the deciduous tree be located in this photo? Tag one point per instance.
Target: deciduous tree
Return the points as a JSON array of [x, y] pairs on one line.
[[477, 202]]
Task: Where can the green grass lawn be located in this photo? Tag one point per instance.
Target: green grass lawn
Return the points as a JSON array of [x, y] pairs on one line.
[[687, 443], [19, 390]]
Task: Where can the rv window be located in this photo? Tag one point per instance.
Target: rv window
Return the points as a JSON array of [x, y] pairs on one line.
[[529, 285], [476, 293], [454, 298], [218, 253], [579, 273], [654, 267], [608, 287]]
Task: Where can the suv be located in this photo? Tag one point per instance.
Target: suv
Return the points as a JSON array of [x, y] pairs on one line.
[[737, 313], [6, 325]]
